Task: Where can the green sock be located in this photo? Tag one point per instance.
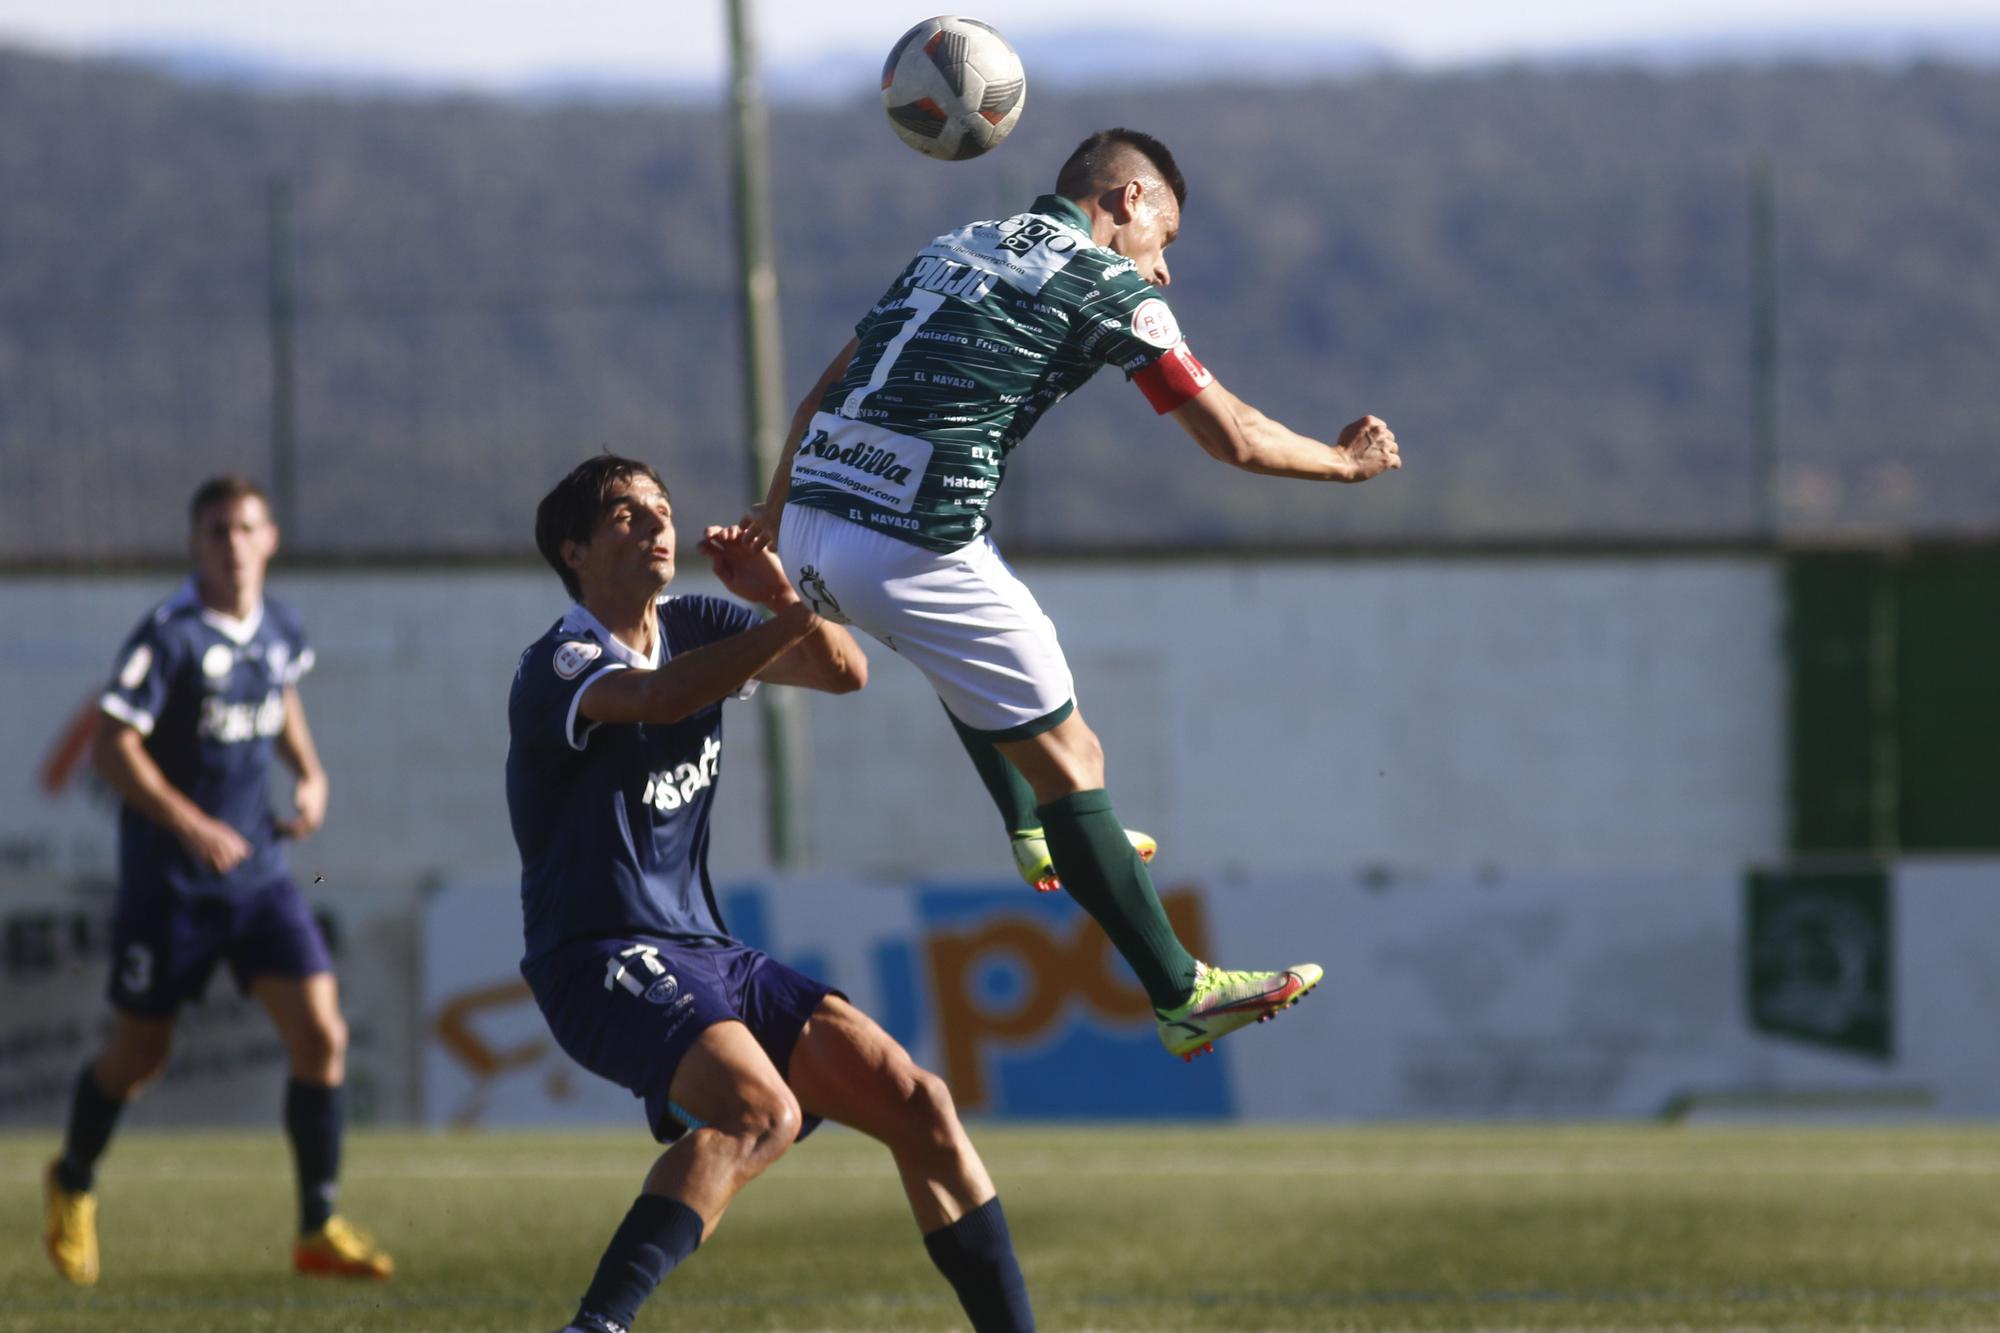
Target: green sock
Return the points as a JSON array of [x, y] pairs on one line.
[[1108, 880], [1004, 783]]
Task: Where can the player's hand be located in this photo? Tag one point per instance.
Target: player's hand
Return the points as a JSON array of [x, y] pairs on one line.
[[1370, 447], [309, 799], [762, 521], [215, 845], [746, 564]]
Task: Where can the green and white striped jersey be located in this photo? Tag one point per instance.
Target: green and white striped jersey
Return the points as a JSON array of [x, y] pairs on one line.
[[987, 329]]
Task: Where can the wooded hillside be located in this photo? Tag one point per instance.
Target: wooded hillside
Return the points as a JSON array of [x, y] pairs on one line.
[[1541, 279]]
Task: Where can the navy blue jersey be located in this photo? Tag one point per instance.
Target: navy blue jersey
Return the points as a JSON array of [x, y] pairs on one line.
[[207, 691], [612, 819]]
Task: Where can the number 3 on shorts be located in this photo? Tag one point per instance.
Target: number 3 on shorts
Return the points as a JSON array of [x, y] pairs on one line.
[[137, 973]]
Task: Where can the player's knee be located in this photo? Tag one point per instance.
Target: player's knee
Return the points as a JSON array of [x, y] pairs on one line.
[[123, 1075], [927, 1121], [765, 1124], [932, 1113], [1092, 756], [333, 1034], [131, 1061], [1083, 759], [319, 1049]]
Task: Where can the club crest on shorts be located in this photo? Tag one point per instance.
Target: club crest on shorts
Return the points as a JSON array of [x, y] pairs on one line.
[[572, 657], [813, 588], [663, 989]]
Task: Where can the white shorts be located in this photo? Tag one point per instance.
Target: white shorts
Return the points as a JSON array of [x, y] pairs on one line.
[[962, 618]]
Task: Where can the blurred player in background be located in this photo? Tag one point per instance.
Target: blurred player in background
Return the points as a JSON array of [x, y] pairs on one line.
[[615, 725], [205, 695], [894, 458]]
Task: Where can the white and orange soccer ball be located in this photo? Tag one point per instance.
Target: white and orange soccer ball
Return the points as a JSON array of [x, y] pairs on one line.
[[953, 87]]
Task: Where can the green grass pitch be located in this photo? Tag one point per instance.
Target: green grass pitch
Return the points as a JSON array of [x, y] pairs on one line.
[[1139, 1229]]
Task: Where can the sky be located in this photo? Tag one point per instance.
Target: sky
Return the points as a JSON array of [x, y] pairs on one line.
[[498, 43]]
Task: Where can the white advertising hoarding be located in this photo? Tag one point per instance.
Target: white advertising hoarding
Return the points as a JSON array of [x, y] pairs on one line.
[[226, 1066], [1558, 996]]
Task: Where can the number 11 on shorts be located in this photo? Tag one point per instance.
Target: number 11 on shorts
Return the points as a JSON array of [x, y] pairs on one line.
[[616, 975]]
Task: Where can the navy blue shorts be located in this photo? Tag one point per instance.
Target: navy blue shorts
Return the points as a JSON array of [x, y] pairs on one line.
[[165, 945], [629, 1009]]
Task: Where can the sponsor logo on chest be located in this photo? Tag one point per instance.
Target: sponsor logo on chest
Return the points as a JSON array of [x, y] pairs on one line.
[[863, 460], [859, 455], [672, 788], [233, 723]]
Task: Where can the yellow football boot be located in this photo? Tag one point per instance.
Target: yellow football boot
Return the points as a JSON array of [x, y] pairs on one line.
[[69, 1229], [1223, 1001], [340, 1249]]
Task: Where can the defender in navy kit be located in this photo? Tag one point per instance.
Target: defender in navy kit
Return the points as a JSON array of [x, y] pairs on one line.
[[615, 722], [204, 696]]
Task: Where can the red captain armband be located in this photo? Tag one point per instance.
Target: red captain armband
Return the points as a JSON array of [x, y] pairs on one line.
[[1173, 380]]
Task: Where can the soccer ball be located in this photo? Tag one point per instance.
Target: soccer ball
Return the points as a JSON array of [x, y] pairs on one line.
[[953, 88]]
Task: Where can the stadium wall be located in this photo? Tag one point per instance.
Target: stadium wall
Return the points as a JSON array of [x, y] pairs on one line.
[[1308, 715], [1287, 727]]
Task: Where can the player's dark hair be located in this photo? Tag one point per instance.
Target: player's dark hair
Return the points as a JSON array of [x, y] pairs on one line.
[[220, 490], [569, 513], [1094, 164]]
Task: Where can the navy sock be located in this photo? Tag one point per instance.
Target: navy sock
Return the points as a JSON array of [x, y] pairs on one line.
[[976, 1255], [92, 1117], [314, 1115], [655, 1236]]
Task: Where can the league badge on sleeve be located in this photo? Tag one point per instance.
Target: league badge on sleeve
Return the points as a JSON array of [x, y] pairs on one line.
[[1153, 322], [572, 657], [136, 667]]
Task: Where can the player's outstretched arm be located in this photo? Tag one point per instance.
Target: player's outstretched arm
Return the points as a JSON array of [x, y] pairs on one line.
[[1231, 430], [122, 761], [695, 679], [781, 479], [296, 748], [827, 659]]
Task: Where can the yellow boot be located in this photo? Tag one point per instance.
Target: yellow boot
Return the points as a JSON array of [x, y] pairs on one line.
[[69, 1229], [340, 1250]]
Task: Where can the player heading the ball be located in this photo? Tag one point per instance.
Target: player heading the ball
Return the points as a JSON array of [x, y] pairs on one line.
[[881, 505]]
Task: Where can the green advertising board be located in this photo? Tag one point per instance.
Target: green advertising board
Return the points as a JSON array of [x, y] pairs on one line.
[[1820, 961]]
